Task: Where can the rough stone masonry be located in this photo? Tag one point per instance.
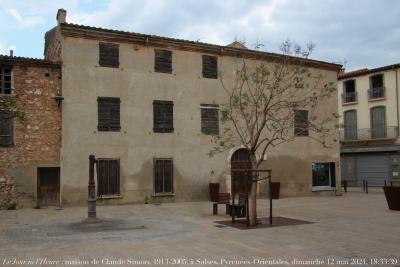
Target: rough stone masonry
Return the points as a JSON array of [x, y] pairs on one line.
[[37, 128]]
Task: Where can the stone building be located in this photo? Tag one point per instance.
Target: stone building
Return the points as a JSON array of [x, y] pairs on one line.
[[147, 107], [30, 132], [369, 109]]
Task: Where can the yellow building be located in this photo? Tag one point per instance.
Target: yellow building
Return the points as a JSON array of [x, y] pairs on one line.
[[369, 109]]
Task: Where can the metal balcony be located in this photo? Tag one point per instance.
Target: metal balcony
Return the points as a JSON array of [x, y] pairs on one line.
[[369, 134], [376, 93], [349, 97]]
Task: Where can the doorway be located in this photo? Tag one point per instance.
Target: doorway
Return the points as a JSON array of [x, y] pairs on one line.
[[240, 160], [48, 186]]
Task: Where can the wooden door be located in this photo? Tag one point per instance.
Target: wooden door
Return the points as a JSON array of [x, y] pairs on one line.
[[240, 161], [48, 186]]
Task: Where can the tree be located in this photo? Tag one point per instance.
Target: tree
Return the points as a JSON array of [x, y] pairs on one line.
[[263, 102]]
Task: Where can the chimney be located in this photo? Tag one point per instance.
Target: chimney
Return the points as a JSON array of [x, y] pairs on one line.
[[11, 53], [61, 16]]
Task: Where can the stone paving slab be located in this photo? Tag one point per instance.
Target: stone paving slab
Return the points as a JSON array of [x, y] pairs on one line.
[[355, 227]]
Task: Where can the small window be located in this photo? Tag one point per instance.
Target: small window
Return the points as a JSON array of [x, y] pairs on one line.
[[5, 80], [349, 93], [6, 128], [163, 117], [323, 175], [301, 123], [377, 81], [109, 114], [377, 89], [209, 119], [163, 176], [109, 55], [163, 61], [210, 67], [108, 182]]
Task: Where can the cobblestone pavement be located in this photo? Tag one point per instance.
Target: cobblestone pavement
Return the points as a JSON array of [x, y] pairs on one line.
[[356, 226]]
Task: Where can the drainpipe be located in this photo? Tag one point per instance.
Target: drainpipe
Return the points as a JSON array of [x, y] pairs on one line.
[[397, 100]]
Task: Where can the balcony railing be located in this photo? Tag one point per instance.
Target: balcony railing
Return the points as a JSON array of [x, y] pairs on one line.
[[349, 97], [386, 133], [375, 93]]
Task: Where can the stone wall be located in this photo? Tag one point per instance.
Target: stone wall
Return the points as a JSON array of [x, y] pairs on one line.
[[37, 134]]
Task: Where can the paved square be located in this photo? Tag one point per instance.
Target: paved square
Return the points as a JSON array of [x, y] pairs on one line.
[[356, 226]]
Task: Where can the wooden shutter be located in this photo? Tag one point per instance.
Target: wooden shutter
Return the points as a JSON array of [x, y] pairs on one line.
[[168, 176], [163, 176], [6, 128], [109, 55], [113, 177], [301, 123], [378, 122], [163, 61], [102, 177], [163, 119], [158, 176], [210, 67], [350, 125], [108, 182], [209, 119], [109, 114]]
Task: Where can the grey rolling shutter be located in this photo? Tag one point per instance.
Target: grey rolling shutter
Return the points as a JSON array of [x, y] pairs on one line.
[[108, 114], [6, 128], [378, 122], [109, 55], [163, 119], [210, 120], [210, 67], [163, 61], [350, 125]]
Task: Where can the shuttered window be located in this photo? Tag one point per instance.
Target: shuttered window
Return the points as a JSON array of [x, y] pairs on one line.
[[301, 123], [209, 119], [108, 182], [109, 55], [350, 125], [6, 128], [163, 176], [378, 122], [109, 114], [210, 67], [163, 117], [163, 61], [5, 80]]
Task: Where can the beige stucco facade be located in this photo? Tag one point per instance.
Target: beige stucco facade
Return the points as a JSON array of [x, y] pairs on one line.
[[136, 145], [363, 105]]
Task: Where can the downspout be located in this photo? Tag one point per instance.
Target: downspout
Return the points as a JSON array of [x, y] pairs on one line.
[[397, 101]]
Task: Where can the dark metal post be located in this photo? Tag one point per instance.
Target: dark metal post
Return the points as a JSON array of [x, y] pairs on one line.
[[249, 175], [270, 201], [384, 182], [345, 186], [92, 193], [366, 186], [233, 209]]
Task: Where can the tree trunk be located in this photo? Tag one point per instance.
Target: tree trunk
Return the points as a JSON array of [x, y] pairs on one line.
[[253, 193]]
